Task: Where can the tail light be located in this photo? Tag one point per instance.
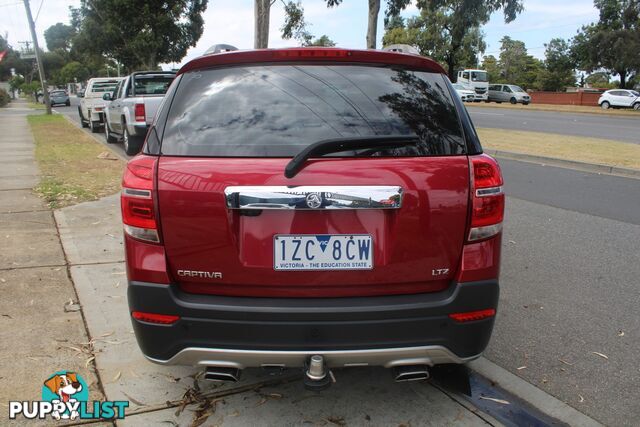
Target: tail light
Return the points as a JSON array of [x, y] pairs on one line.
[[471, 316], [138, 207], [139, 113], [162, 319], [487, 207]]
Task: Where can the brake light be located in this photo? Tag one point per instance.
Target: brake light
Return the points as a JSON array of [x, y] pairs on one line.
[[470, 316], [139, 113], [163, 319], [487, 206], [306, 52], [136, 200]]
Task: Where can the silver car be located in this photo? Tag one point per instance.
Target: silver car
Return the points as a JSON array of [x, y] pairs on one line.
[[508, 93], [59, 97]]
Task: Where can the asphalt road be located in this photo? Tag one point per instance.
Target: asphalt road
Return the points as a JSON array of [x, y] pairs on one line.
[[569, 288], [570, 276], [625, 129]]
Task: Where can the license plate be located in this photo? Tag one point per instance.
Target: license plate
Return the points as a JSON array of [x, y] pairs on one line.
[[323, 252]]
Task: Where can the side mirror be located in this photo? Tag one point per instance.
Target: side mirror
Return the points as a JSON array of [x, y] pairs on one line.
[[106, 96]]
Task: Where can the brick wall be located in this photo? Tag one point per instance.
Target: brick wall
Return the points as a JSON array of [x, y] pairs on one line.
[[565, 98]]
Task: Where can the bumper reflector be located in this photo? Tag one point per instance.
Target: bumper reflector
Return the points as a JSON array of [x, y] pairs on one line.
[[163, 319], [470, 316]]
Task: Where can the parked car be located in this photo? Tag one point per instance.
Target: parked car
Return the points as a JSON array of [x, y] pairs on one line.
[[313, 207], [91, 108], [132, 107], [620, 98], [80, 93], [508, 93], [464, 94], [476, 81], [59, 97]]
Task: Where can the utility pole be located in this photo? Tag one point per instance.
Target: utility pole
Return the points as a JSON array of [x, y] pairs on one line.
[[34, 37]]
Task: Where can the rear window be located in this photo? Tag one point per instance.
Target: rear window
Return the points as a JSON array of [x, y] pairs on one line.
[[152, 84], [278, 110], [102, 87]]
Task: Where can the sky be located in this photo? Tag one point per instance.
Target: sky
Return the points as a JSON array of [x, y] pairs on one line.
[[231, 22]]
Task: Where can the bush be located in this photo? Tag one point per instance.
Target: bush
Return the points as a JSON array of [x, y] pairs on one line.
[[4, 97]]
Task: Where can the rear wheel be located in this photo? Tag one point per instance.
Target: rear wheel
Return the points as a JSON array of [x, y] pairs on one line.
[[83, 122], [132, 143], [605, 105], [513, 101], [110, 137], [68, 103], [636, 106]]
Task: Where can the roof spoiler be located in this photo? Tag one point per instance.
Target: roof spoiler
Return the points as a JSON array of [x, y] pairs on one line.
[[401, 48]]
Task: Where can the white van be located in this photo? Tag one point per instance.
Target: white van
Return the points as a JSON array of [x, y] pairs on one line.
[[476, 81]]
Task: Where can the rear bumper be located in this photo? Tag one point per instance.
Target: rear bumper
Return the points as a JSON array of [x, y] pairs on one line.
[[253, 332]]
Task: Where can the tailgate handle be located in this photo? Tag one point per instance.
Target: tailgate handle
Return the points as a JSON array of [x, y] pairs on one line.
[[314, 197]]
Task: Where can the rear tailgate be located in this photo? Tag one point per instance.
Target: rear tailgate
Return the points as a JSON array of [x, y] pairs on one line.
[[415, 248], [240, 126]]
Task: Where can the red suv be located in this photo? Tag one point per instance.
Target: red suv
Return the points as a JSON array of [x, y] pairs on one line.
[[312, 207]]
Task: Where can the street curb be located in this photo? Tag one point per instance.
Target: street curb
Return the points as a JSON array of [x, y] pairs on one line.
[[570, 164], [531, 394], [98, 140]]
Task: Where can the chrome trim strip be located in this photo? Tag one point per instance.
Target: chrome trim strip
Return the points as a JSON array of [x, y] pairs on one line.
[[492, 191], [132, 192], [387, 357], [312, 197]]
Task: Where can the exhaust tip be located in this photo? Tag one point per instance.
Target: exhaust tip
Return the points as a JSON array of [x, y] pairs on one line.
[[214, 373], [411, 373]]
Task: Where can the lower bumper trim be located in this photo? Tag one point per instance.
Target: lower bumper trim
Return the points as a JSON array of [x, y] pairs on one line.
[[387, 357]]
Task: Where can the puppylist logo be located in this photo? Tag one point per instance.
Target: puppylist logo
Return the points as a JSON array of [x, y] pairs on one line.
[[65, 396]]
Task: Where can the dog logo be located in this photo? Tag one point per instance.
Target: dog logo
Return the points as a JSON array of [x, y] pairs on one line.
[[65, 386]]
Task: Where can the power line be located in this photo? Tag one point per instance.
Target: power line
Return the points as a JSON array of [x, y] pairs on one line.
[[39, 8]]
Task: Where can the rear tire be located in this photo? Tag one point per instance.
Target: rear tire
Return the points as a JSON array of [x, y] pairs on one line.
[[94, 126], [83, 122], [513, 101], [605, 105], [636, 106], [111, 138], [68, 103], [132, 143]]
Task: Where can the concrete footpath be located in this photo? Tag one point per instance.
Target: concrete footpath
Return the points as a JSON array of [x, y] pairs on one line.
[[41, 326]]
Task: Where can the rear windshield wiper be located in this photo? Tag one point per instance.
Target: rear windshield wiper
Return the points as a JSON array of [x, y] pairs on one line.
[[336, 145]]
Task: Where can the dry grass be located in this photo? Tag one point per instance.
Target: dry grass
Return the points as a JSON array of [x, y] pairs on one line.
[[68, 159], [577, 148], [558, 108]]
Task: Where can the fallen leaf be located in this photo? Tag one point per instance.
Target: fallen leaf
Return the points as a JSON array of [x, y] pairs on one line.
[[521, 367], [565, 362], [89, 360], [339, 421], [581, 398], [137, 402], [117, 377], [493, 399], [621, 333], [604, 356], [107, 334]]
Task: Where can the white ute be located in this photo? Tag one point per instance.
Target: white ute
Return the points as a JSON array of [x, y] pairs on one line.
[[91, 108], [132, 107]]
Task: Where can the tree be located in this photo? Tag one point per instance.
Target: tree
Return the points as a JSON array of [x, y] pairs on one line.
[[613, 42], [516, 65], [59, 37], [559, 66], [490, 65], [322, 41], [449, 30], [138, 33], [73, 72]]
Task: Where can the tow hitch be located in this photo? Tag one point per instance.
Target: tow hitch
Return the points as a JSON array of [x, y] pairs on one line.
[[317, 377]]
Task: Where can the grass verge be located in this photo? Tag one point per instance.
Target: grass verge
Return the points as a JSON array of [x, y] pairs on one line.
[[74, 167], [577, 148], [558, 108]]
